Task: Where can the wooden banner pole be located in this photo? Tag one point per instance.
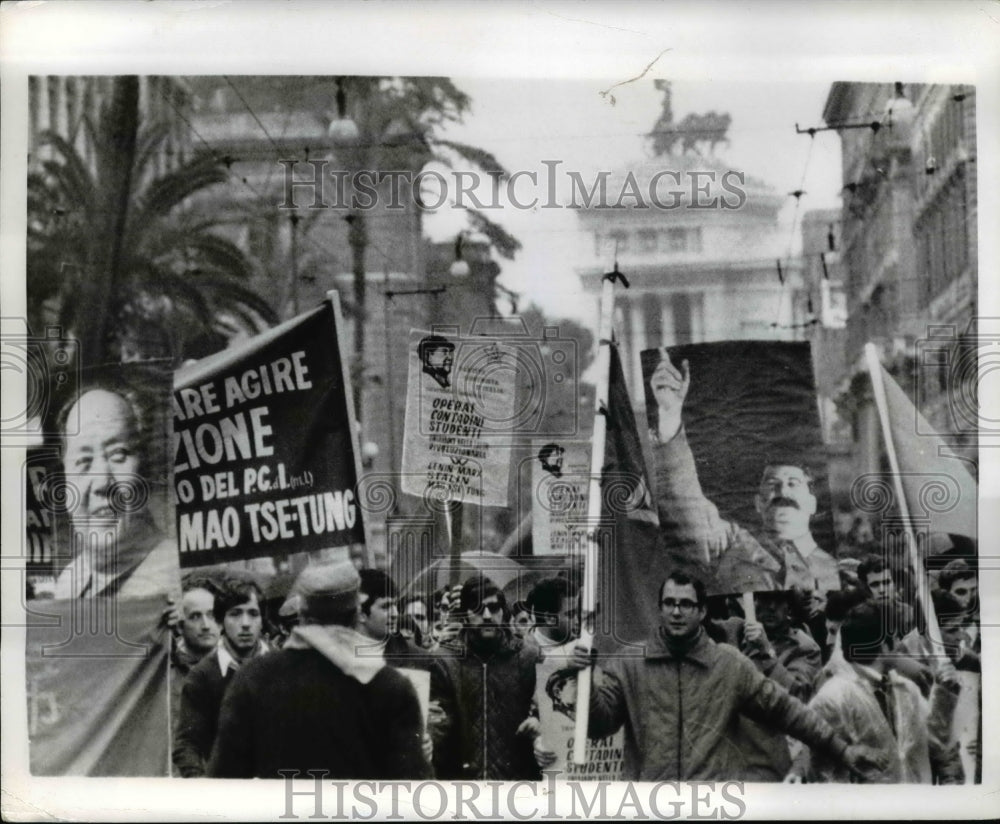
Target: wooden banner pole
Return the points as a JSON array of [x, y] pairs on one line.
[[592, 556]]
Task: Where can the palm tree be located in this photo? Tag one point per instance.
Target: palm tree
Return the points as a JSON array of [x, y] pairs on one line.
[[118, 257]]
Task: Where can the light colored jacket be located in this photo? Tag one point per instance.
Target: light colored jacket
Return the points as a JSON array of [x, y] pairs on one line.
[[681, 714], [919, 752]]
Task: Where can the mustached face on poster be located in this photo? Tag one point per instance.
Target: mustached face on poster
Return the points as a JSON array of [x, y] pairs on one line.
[[757, 517]]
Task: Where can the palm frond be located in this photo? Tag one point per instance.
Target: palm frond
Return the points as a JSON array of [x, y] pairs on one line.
[[166, 193], [228, 294], [505, 243], [151, 138], [217, 253], [478, 157]]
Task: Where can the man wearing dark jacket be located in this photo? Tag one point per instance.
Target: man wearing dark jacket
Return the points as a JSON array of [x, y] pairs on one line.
[[319, 705], [378, 619], [681, 702], [237, 611], [485, 688]]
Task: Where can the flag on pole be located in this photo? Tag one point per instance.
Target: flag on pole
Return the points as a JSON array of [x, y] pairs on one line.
[[927, 468], [632, 564]]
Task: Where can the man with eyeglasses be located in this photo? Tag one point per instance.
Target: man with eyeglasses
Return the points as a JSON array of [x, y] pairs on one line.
[[485, 687], [681, 702]]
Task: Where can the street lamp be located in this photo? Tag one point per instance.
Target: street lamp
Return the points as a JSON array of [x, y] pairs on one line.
[[343, 130], [899, 116], [460, 267]]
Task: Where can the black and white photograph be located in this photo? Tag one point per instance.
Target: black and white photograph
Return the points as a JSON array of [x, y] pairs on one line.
[[538, 411]]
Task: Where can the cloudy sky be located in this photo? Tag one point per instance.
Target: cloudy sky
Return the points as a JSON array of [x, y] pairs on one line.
[[535, 72], [526, 122]]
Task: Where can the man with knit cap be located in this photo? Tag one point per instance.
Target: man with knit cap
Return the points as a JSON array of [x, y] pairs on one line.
[[318, 704]]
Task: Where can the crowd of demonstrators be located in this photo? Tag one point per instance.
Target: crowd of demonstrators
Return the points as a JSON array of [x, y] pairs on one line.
[[317, 704], [717, 696], [870, 702]]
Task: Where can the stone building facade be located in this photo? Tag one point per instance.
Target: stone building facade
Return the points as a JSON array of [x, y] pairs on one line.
[[909, 254]]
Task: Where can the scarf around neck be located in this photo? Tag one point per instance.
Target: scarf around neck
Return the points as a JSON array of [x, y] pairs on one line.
[[348, 650]]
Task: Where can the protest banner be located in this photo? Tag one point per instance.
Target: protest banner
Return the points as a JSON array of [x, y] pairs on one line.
[[460, 404], [96, 641], [717, 510], [266, 460], [41, 463], [560, 476], [555, 697]]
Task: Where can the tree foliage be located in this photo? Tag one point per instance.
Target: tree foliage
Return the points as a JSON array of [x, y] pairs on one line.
[[114, 247]]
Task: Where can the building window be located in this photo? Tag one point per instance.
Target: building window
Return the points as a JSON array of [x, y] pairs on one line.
[[684, 321], [647, 240], [683, 240], [694, 239], [676, 240], [619, 239], [942, 240]]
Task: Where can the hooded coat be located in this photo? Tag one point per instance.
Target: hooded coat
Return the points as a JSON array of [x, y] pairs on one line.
[[316, 705]]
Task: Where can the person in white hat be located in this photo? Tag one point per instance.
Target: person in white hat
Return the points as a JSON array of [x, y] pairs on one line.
[[319, 705]]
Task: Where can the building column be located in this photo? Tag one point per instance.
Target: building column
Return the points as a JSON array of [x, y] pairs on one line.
[[637, 343], [669, 336], [696, 300], [59, 100], [35, 84]]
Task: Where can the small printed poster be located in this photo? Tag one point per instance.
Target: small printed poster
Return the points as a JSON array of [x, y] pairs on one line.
[[560, 487], [555, 694], [460, 400]]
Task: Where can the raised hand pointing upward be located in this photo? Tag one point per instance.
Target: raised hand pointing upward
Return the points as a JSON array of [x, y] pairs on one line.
[[670, 388]]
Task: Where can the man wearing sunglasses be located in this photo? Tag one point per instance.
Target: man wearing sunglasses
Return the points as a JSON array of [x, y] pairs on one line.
[[681, 702], [485, 686]]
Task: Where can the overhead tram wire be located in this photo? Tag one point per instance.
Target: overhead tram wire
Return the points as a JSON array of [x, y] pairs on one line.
[[253, 114], [279, 156], [262, 200], [797, 194]]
